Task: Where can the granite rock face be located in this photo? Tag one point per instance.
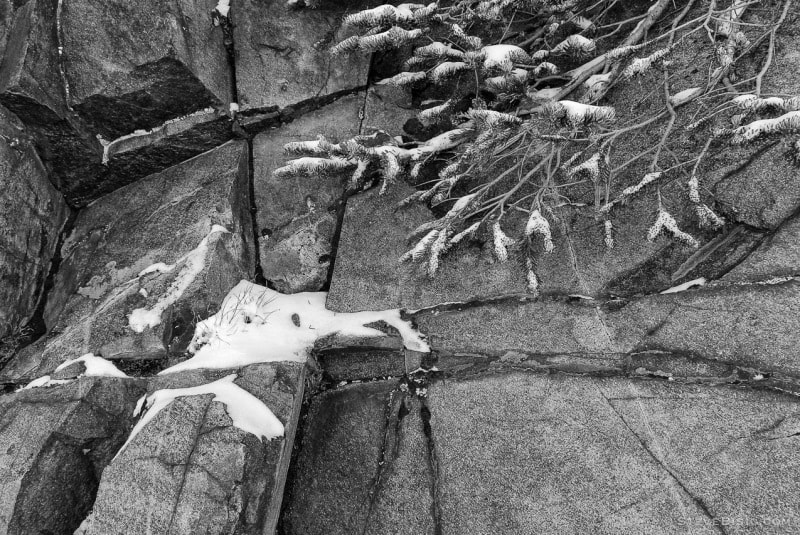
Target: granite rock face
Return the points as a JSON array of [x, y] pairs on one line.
[[611, 456], [54, 444], [334, 478], [190, 225], [189, 470], [167, 61], [32, 214], [282, 54], [297, 217], [79, 80]]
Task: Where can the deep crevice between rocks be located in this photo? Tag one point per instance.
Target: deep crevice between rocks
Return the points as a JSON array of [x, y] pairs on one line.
[[396, 410], [433, 466], [35, 327]]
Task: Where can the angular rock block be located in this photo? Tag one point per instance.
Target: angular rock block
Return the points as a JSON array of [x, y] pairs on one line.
[[543, 327], [54, 444], [32, 215], [297, 216], [553, 454], [158, 247], [80, 80], [167, 60], [339, 459], [189, 470], [368, 276], [282, 54], [754, 325]]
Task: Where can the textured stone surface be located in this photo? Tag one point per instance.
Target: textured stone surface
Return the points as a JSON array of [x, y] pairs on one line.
[[404, 499], [367, 275], [537, 327], [754, 325], [32, 214], [762, 193], [54, 444], [166, 61], [777, 256], [373, 238], [282, 54], [190, 471], [297, 216], [110, 80], [343, 441], [519, 454], [157, 220]]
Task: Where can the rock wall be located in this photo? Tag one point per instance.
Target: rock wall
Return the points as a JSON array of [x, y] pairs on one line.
[[603, 405]]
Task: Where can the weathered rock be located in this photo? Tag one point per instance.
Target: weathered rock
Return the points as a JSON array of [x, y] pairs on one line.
[[189, 470], [32, 214], [387, 108], [544, 327], [731, 449], [368, 276], [552, 454], [297, 217], [32, 86], [283, 55], [54, 444], [167, 60], [777, 256], [166, 219], [763, 192], [404, 498], [750, 325], [766, 189], [334, 477], [77, 77]]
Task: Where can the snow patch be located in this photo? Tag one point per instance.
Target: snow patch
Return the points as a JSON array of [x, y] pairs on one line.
[[223, 7], [685, 286], [43, 382], [193, 263], [257, 324], [247, 412], [95, 366]]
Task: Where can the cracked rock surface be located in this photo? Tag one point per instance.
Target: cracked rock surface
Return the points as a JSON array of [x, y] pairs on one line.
[[191, 471], [54, 444], [157, 220], [32, 214]]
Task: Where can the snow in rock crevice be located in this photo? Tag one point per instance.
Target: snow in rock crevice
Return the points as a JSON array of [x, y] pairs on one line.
[[192, 264], [256, 324]]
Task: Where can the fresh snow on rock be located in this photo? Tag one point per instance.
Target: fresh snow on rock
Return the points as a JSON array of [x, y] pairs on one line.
[[246, 411], [685, 286], [193, 263], [95, 366], [45, 381], [256, 324], [223, 7]]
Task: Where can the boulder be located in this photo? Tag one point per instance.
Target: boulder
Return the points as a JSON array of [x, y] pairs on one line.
[[168, 60], [55, 443], [297, 217], [80, 81], [165, 250], [190, 470], [283, 54], [32, 215]]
